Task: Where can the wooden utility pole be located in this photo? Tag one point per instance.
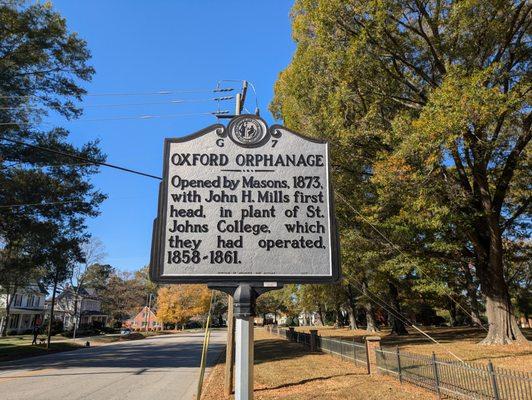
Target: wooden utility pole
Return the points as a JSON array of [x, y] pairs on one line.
[[229, 351], [50, 321]]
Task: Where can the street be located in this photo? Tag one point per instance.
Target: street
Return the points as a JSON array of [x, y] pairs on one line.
[[161, 367]]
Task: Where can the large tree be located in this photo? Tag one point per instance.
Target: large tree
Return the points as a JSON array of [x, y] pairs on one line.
[[436, 95], [42, 66], [177, 304]]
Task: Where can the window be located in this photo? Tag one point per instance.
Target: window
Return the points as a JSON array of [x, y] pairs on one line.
[[29, 303], [26, 321], [17, 301], [13, 320]]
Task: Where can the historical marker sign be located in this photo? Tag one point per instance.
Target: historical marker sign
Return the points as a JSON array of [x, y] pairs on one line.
[[245, 203]]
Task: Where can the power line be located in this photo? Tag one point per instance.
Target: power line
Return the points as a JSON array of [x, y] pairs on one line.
[[62, 153], [392, 310], [175, 101], [165, 92], [42, 165], [395, 247], [142, 117], [148, 116], [56, 202], [41, 204], [252, 88], [155, 93]]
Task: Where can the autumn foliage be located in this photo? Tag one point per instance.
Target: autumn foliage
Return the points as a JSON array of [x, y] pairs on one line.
[[177, 304]]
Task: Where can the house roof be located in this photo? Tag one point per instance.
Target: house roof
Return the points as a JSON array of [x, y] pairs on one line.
[[86, 293], [42, 288], [36, 287], [143, 309]]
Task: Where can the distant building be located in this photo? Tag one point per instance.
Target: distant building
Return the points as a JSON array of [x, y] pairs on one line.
[[145, 317], [27, 309], [309, 319], [89, 308]]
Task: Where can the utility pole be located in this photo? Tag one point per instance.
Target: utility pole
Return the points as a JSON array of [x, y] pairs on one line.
[[242, 330], [50, 321], [230, 348], [148, 312], [244, 299], [240, 100]]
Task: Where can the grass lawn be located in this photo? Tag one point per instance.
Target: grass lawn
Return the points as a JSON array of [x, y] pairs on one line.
[[462, 341], [15, 347], [285, 370]]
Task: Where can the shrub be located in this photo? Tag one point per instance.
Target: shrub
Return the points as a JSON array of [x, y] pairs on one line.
[[107, 329], [133, 336], [57, 327]]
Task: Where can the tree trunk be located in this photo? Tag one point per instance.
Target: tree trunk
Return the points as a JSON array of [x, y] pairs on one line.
[[452, 313], [320, 313], [474, 304], [503, 328], [352, 320], [338, 318], [352, 308], [371, 325], [8, 311], [398, 327], [75, 317], [56, 278]]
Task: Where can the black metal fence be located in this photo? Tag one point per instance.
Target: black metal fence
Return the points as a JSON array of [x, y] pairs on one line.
[[455, 379], [448, 378], [346, 350]]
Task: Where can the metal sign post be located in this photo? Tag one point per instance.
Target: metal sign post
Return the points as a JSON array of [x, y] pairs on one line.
[[244, 358], [245, 296], [244, 311], [245, 208]]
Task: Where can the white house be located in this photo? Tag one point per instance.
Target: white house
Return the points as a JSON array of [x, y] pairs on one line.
[[88, 310], [27, 309], [309, 319]]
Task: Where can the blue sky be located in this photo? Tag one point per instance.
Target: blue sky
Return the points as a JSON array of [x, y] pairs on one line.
[[148, 46]]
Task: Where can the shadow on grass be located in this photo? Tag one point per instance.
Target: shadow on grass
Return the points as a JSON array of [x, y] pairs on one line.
[[274, 349], [303, 381], [493, 357], [443, 335]]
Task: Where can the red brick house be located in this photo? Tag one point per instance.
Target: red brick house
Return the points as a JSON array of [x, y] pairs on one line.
[[146, 317]]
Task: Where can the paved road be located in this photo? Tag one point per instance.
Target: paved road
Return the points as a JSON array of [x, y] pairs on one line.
[[158, 368]]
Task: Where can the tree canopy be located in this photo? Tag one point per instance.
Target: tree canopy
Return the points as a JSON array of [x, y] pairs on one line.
[[45, 198], [427, 107], [177, 304]]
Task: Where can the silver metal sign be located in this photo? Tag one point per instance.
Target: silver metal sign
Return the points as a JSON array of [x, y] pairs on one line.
[[245, 203]]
